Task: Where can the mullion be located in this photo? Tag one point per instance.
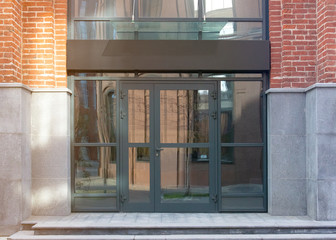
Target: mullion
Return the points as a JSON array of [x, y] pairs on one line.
[[242, 144]]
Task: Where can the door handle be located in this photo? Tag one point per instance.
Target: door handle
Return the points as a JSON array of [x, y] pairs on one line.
[[158, 150]]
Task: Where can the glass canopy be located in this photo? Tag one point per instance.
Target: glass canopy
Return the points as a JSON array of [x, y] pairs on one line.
[[168, 30], [167, 19]]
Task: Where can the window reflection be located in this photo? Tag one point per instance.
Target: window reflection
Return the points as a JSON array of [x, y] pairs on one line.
[[184, 175], [102, 8], [95, 169], [233, 31], [168, 8], [245, 175], [184, 116], [138, 116], [162, 19], [95, 111], [233, 8], [241, 112], [139, 174]]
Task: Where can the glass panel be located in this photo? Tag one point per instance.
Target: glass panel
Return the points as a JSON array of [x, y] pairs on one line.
[[97, 74], [233, 8], [138, 116], [100, 30], [101, 8], [168, 75], [242, 203], [185, 175], [95, 111], [232, 75], [167, 36], [245, 173], [95, 203], [95, 169], [168, 8], [168, 30], [184, 116], [241, 112], [232, 31], [139, 178]]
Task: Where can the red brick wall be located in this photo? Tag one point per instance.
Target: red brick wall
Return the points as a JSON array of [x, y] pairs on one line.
[[326, 40], [44, 42], [302, 35], [293, 42], [33, 42], [10, 41]]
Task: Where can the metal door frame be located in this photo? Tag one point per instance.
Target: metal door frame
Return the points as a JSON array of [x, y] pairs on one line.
[[124, 145], [155, 181]]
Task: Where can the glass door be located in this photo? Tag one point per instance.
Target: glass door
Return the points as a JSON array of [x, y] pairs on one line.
[[168, 147], [184, 148], [137, 165]]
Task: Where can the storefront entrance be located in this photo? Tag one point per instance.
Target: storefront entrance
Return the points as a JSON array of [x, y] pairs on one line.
[[168, 142], [168, 160]]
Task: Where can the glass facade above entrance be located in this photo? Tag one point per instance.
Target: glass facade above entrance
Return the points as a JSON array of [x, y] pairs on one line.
[[167, 20]]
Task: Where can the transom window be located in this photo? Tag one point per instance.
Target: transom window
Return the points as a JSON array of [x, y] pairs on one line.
[[167, 19]]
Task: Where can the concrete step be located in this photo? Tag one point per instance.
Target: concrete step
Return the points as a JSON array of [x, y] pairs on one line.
[[29, 235], [27, 225], [151, 229]]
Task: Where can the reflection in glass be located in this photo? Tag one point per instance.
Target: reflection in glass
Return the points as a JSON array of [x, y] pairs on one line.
[[245, 174], [139, 170], [167, 36], [232, 31], [92, 30], [185, 175], [100, 30], [168, 8], [101, 8], [95, 111], [95, 203], [241, 112], [243, 203], [168, 75], [95, 169], [138, 116], [241, 178], [233, 8], [232, 75], [184, 116], [100, 74]]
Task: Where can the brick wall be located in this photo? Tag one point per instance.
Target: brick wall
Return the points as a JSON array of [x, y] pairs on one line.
[[302, 35], [326, 40], [33, 42], [10, 41], [293, 42]]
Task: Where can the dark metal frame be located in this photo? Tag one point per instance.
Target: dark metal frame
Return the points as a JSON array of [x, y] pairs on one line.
[[264, 80], [217, 145], [168, 55], [156, 205]]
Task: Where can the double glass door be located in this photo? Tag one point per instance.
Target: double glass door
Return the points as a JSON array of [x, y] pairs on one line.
[[168, 160]]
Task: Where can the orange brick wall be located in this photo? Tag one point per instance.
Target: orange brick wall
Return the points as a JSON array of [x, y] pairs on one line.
[[302, 35], [33, 42], [10, 41]]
